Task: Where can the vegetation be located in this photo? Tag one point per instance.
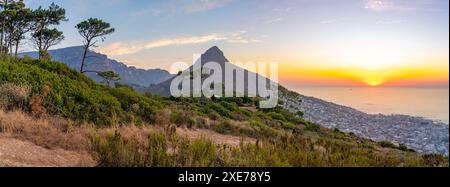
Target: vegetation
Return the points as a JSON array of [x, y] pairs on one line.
[[90, 30], [45, 88], [287, 150], [16, 20], [43, 37], [109, 76], [94, 115]]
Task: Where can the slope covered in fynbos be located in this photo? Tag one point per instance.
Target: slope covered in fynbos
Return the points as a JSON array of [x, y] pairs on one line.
[[44, 89]]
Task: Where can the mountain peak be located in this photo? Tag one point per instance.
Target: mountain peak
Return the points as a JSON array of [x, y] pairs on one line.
[[214, 48], [214, 54]]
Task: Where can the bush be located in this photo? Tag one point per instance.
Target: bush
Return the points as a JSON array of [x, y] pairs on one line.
[[75, 96], [220, 110], [72, 95], [13, 96], [264, 129], [203, 122], [115, 151], [163, 117], [157, 155], [434, 160], [387, 144], [403, 147], [276, 116], [224, 128], [183, 117], [312, 127], [200, 153], [289, 126]]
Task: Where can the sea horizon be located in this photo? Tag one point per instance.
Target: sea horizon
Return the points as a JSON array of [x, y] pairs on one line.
[[427, 102]]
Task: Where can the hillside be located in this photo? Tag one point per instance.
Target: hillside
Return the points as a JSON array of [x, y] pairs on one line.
[[100, 62], [425, 136], [120, 127]]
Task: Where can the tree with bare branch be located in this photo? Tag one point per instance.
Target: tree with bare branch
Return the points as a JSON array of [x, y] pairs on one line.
[[91, 30]]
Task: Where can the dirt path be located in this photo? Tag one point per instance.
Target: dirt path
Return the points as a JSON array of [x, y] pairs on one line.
[[17, 153], [213, 136]]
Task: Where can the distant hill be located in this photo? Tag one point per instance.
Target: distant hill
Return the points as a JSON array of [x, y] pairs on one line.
[[100, 62]]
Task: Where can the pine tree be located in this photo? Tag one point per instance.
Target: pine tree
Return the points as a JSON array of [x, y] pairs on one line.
[[90, 30]]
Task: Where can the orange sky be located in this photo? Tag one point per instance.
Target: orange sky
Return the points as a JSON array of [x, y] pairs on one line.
[[417, 75]]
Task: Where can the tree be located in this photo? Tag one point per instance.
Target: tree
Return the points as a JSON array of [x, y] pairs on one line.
[[47, 38], [43, 19], [109, 76], [90, 30], [3, 17], [20, 24]]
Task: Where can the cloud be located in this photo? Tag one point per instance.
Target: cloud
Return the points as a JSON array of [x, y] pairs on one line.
[[274, 20], [270, 20], [182, 6], [148, 11], [125, 48], [399, 5], [379, 5], [326, 21], [288, 9], [204, 5], [389, 22]]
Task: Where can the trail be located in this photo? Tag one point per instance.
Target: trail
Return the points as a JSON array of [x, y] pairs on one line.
[[17, 153], [217, 138]]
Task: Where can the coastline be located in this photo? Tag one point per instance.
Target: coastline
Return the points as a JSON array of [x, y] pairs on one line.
[[427, 102], [419, 133]]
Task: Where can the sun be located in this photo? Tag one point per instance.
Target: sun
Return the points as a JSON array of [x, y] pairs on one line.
[[374, 82]]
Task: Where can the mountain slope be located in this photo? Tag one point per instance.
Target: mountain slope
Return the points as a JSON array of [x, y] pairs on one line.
[[423, 135], [214, 54], [116, 119], [99, 62]]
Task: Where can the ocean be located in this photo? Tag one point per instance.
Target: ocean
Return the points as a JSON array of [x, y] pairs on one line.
[[431, 103]]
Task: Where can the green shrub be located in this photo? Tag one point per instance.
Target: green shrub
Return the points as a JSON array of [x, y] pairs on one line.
[[289, 126], [264, 129], [387, 144], [156, 151], [115, 151], [312, 127], [76, 96], [72, 94], [403, 147], [276, 116], [224, 127], [201, 153], [220, 110]]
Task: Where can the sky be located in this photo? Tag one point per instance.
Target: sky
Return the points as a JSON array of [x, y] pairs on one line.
[[315, 42]]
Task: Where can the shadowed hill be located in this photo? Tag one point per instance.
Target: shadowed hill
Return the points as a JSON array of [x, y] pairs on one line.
[[99, 62], [214, 54]]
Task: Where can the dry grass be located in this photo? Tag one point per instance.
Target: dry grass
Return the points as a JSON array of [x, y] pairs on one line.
[[163, 117], [220, 139], [13, 96], [59, 133], [50, 132]]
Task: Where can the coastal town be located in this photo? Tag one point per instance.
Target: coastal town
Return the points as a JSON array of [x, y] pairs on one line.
[[417, 133]]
